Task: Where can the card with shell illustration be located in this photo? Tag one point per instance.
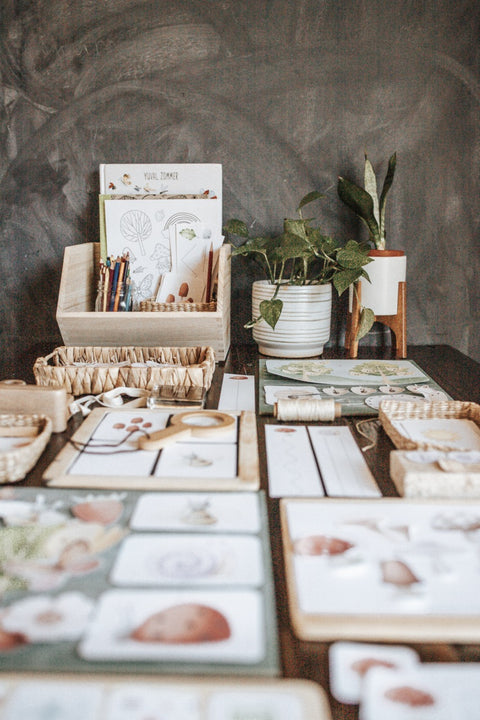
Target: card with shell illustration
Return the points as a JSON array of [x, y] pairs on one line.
[[189, 559], [104, 453], [110, 698], [198, 512], [386, 570], [196, 626]]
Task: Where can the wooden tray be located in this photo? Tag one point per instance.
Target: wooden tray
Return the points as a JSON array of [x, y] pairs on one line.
[[247, 475], [347, 593]]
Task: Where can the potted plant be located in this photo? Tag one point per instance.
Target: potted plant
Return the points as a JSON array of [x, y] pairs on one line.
[[291, 307], [380, 294]]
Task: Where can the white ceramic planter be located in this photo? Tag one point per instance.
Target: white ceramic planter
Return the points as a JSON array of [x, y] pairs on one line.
[[304, 325], [389, 267]]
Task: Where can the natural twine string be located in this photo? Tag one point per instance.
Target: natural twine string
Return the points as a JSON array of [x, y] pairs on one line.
[[307, 409]]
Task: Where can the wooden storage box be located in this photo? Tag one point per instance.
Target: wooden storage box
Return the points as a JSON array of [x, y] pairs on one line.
[[80, 325]]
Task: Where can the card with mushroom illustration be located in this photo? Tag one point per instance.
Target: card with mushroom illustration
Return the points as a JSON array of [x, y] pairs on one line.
[[82, 586], [383, 570]]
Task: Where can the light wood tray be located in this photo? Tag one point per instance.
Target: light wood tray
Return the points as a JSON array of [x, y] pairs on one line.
[[247, 478], [310, 697], [413, 626]]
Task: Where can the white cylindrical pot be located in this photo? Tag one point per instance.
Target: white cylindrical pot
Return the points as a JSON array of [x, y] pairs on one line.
[[304, 324], [387, 269]]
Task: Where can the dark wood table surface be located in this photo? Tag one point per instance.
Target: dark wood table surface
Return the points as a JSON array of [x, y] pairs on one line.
[[457, 374]]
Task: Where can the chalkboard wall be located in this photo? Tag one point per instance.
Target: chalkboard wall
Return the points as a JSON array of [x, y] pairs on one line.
[[286, 95]]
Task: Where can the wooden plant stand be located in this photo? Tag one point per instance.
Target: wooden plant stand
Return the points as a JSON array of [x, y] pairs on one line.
[[397, 323]]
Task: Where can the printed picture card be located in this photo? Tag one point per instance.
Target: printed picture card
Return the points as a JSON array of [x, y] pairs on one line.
[[190, 625], [199, 512], [456, 434], [189, 559], [161, 178]]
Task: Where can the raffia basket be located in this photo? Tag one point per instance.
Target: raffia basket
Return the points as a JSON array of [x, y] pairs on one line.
[[92, 370], [16, 463], [392, 410], [153, 306]]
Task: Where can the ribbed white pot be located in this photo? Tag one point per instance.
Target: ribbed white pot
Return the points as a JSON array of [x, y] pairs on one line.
[[387, 269], [304, 325]]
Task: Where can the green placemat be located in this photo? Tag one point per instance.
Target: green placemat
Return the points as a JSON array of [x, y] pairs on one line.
[[339, 376]]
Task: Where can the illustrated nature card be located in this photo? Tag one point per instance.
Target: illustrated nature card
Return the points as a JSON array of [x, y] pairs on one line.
[[385, 569], [358, 385], [110, 698], [105, 452], [82, 589]]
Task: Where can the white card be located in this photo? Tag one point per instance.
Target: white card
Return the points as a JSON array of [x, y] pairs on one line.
[[290, 392], [344, 470], [198, 460], [429, 691], [199, 512], [182, 625], [189, 559], [138, 702], [458, 434], [292, 470], [35, 700], [252, 704], [238, 392], [350, 662]]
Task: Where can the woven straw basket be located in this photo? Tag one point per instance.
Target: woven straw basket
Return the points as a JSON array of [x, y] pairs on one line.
[[153, 306], [16, 463], [92, 370], [392, 410]]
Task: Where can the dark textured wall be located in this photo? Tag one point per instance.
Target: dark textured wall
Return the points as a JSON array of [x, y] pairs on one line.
[[286, 95]]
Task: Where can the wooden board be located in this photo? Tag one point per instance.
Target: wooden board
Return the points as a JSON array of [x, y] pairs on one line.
[[426, 592], [203, 698], [246, 477]]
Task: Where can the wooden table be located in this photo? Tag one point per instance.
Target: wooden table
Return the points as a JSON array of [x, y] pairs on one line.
[[457, 374]]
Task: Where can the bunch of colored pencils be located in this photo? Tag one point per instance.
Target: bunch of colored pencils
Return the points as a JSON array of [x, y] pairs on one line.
[[115, 285]]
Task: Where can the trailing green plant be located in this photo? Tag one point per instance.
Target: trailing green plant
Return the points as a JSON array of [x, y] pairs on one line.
[[365, 201], [300, 255]]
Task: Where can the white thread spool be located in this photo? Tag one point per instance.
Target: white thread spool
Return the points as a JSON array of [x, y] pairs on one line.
[[307, 409]]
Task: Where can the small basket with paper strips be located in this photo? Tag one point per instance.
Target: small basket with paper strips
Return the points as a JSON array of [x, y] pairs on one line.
[[93, 370]]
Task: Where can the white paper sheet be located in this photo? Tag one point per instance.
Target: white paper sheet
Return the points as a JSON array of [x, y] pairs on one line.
[[292, 470], [237, 393]]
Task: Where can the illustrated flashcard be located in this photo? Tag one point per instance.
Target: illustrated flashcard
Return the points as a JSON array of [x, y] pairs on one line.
[[384, 569], [189, 559], [236, 705], [348, 372], [142, 229], [190, 625], [37, 700], [202, 460], [273, 393], [292, 470], [198, 512], [350, 662], [135, 701], [431, 691], [113, 449]]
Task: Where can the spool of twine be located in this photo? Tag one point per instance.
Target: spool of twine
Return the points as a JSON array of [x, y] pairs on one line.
[[307, 409]]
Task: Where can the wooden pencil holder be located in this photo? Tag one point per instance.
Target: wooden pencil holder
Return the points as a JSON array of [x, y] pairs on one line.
[[397, 323], [81, 326]]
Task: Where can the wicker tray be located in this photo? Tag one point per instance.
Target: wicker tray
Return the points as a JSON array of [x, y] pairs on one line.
[[92, 370], [16, 463], [153, 306], [392, 410]]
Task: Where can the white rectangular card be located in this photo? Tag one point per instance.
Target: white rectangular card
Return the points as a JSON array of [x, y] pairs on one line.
[[292, 470], [237, 393], [189, 559], [344, 470], [454, 433], [201, 512], [225, 626]]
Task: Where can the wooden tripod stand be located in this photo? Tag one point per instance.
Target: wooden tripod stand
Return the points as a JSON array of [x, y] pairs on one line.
[[397, 323]]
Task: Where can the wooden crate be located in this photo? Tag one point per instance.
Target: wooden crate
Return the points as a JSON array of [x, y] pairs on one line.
[[80, 325]]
